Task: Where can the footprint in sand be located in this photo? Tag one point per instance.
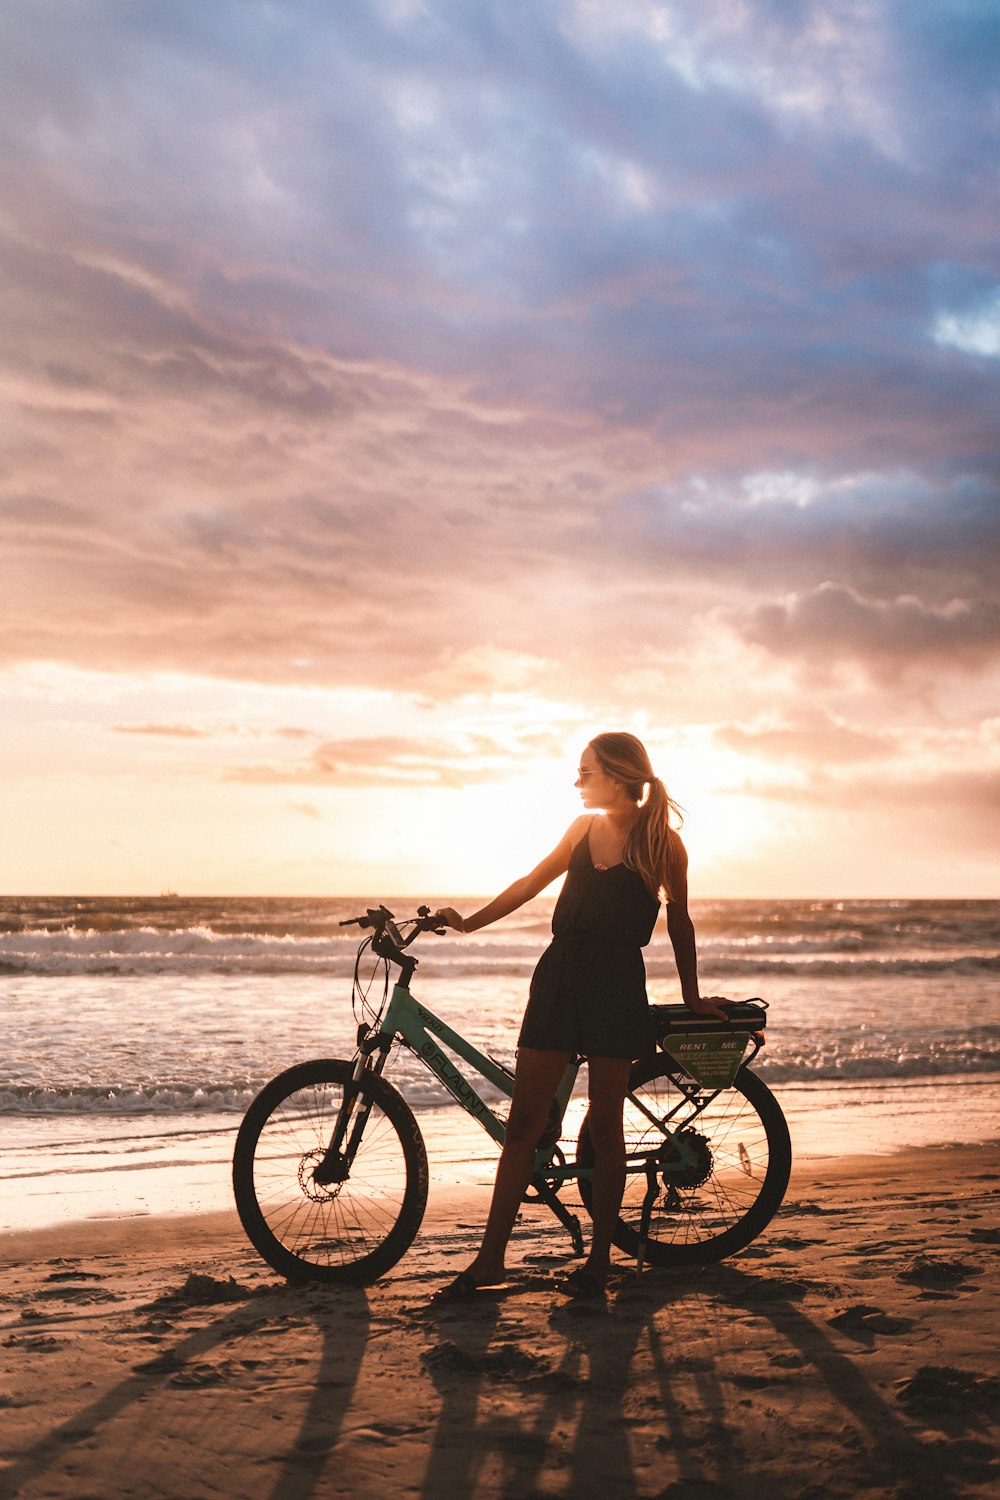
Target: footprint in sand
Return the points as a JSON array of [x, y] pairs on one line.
[[83, 1294], [200, 1291], [780, 1288], [38, 1343], [788, 1361], [937, 1390], [864, 1319], [935, 1273], [505, 1362], [196, 1376]]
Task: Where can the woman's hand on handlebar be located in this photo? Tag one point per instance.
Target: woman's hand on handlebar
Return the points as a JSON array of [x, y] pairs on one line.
[[450, 915]]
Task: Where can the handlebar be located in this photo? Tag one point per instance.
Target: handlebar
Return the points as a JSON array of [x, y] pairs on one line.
[[387, 940]]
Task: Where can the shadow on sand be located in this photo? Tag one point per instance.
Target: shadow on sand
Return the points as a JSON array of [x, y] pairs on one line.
[[583, 1425], [342, 1322], [653, 1395]]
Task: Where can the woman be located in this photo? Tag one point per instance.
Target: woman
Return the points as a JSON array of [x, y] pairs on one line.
[[588, 992]]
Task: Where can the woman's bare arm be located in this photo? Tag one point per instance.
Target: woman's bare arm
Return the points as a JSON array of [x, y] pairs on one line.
[[681, 930], [523, 890]]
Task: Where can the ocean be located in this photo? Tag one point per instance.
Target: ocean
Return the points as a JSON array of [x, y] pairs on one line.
[[138, 1030]]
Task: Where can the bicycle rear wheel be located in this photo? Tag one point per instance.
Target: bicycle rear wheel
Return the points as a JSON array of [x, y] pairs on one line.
[[720, 1174], [350, 1231]]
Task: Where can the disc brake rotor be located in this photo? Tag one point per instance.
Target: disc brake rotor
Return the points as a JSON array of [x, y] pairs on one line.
[[318, 1192]]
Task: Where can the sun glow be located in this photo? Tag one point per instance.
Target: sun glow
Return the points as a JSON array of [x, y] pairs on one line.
[[487, 835], [118, 783]]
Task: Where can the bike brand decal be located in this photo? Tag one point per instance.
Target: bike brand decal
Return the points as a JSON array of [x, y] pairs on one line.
[[711, 1060], [453, 1080]]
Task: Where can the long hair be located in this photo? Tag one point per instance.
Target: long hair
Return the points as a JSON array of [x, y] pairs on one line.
[[653, 848]]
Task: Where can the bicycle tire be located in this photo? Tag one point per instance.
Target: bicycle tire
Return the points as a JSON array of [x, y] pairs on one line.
[[743, 1162], [350, 1232]]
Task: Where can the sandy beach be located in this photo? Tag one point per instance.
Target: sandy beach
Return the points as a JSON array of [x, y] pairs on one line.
[[852, 1351]]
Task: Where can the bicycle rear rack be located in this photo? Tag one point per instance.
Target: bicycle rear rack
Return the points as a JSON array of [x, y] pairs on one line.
[[742, 1015]]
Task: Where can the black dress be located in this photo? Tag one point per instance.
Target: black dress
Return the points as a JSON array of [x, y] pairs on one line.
[[588, 991]]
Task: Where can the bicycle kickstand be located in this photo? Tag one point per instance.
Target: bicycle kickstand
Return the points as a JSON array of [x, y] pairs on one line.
[[652, 1188]]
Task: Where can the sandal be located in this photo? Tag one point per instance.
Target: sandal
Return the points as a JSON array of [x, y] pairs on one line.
[[582, 1283], [462, 1289]]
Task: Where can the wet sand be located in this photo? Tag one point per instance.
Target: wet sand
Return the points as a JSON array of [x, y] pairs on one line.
[[852, 1351]]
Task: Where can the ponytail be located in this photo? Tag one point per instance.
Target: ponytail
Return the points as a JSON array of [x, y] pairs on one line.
[[653, 847]]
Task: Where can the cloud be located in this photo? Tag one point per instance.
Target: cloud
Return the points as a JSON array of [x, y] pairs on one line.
[[597, 360], [874, 527], [938, 815], [164, 731], [810, 734], [724, 189], [974, 793], [974, 331], [833, 623], [390, 761], [306, 810], [212, 729], [302, 488]]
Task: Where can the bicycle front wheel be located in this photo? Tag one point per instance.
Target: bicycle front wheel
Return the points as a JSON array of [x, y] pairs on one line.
[[348, 1231], [719, 1174]]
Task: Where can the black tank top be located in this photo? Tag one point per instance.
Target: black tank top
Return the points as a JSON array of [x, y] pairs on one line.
[[612, 905]]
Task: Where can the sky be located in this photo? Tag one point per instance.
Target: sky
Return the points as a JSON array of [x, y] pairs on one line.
[[395, 394]]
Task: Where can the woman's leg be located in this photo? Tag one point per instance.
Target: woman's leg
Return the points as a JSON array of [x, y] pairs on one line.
[[608, 1086], [536, 1078]]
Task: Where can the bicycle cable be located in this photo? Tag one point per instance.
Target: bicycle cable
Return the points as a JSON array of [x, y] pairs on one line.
[[370, 1014]]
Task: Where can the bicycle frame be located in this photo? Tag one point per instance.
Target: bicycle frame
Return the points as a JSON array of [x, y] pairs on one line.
[[287, 1193], [416, 1026], [407, 1020]]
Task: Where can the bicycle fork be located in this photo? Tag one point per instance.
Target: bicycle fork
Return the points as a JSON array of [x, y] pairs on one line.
[[335, 1166]]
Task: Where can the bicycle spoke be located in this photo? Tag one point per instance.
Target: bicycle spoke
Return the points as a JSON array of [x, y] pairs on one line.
[[721, 1176], [354, 1226]]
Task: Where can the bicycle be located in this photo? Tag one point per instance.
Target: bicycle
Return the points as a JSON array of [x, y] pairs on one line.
[[330, 1170]]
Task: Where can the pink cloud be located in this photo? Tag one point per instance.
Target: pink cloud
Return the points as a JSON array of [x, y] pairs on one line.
[[834, 622]]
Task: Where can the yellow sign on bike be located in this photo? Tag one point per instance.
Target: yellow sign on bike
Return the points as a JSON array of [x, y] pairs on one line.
[[712, 1058]]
